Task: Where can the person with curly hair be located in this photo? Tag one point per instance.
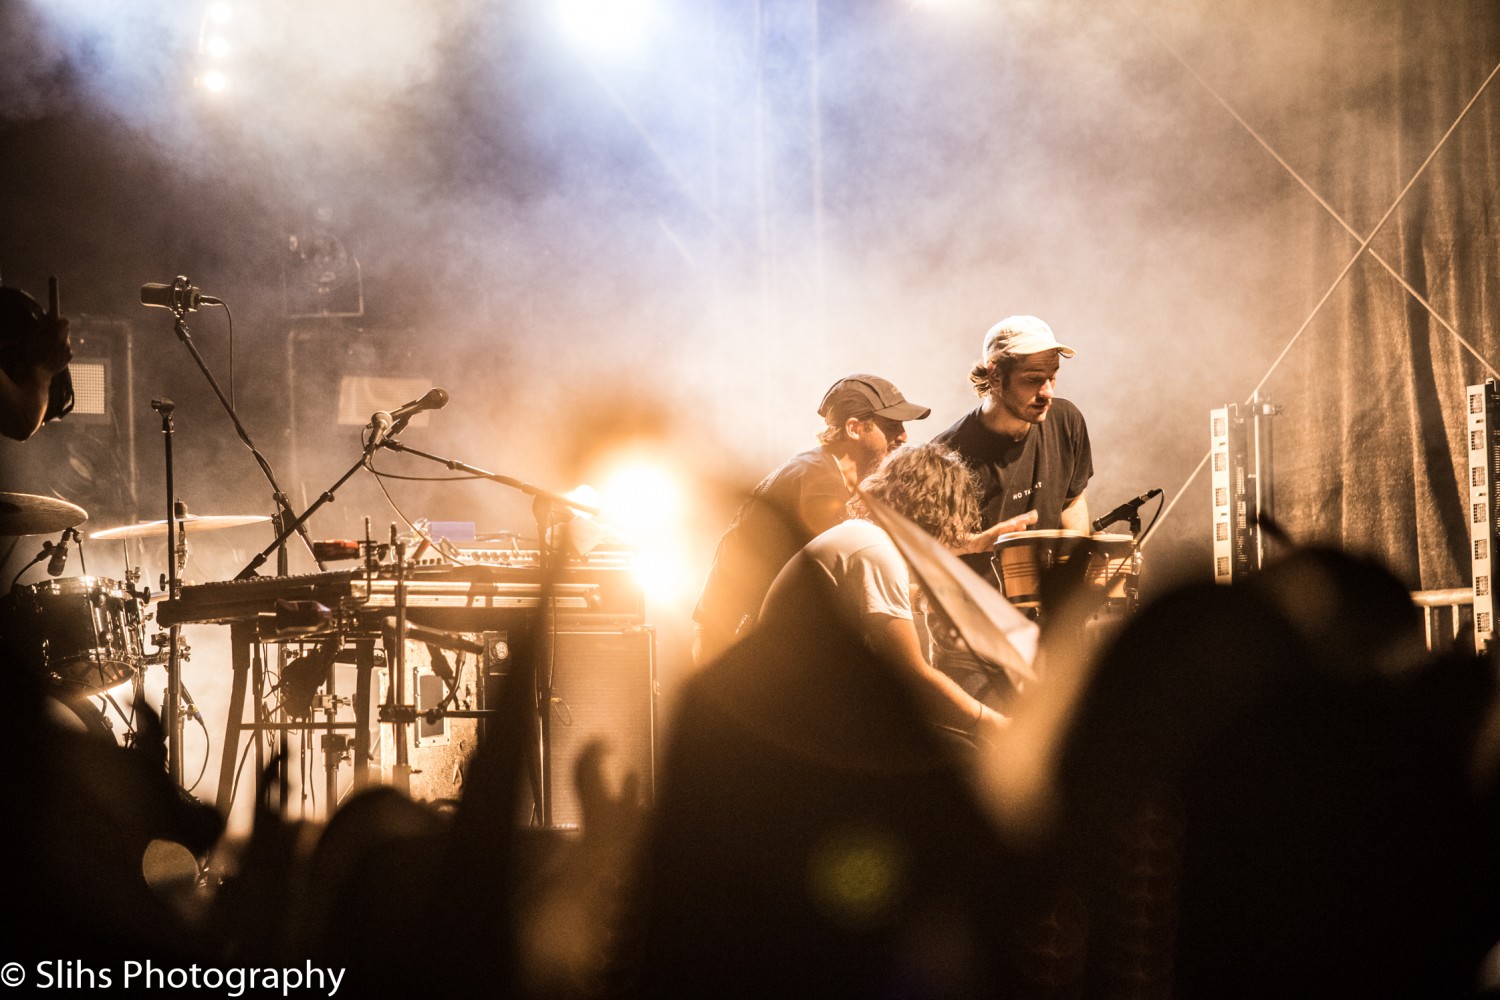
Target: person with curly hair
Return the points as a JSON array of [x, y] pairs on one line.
[[930, 485]]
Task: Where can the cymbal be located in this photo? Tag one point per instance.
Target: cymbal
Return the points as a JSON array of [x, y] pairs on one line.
[[28, 514], [188, 522]]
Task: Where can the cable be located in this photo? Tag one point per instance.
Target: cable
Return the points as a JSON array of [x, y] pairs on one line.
[[421, 533], [230, 315], [370, 465], [208, 748]]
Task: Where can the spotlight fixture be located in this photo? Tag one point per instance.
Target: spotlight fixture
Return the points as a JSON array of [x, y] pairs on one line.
[[214, 47], [614, 25], [321, 277]]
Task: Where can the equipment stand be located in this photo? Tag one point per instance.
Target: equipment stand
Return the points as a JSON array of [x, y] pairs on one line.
[[545, 506], [248, 682], [278, 495], [172, 709]]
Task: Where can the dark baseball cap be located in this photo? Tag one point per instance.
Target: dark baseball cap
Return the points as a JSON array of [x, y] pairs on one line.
[[867, 395]]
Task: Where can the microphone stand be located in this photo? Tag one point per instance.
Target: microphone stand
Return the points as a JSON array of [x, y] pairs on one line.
[[278, 495], [291, 523], [544, 506], [172, 709], [453, 465]]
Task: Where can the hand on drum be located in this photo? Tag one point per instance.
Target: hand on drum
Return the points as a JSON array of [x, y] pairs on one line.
[[985, 540]]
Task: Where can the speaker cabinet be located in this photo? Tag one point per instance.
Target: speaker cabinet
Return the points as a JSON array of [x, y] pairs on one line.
[[88, 457], [603, 688]]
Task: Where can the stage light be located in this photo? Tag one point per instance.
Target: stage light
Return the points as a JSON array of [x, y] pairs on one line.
[[946, 4], [641, 500], [663, 575], [586, 495], [320, 277], [213, 47], [641, 497], [604, 25]]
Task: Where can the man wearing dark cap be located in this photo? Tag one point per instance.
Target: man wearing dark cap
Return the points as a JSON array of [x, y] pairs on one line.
[[864, 415]]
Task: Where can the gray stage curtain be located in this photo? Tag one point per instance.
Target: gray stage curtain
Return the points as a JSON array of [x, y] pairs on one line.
[[1371, 447]]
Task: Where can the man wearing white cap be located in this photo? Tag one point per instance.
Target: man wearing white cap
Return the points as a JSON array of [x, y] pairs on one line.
[[1028, 449]]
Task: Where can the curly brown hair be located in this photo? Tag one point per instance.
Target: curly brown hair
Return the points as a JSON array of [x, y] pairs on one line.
[[929, 484]]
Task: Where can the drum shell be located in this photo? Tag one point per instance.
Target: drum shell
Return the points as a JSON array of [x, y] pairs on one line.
[[82, 633], [1020, 558]]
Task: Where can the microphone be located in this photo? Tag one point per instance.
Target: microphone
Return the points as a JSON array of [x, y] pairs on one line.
[[59, 551], [181, 296], [385, 422], [1126, 509]]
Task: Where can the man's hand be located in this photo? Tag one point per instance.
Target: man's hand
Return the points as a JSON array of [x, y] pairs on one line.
[[985, 540]]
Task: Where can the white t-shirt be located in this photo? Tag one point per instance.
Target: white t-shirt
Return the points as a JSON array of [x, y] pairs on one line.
[[865, 567]]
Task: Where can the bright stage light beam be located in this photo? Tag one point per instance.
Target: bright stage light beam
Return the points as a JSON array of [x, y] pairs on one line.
[[643, 501], [606, 25], [214, 82], [642, 498]]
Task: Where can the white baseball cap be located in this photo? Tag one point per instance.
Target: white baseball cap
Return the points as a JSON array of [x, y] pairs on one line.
[[1021, 335]]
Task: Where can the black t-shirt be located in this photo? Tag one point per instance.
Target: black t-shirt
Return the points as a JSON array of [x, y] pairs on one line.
[[1043, 471], [765, 534]]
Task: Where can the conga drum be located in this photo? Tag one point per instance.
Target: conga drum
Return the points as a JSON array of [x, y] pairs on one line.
[[1116, 567], [1021, 557]]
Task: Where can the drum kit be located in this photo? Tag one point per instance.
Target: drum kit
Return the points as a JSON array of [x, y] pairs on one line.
[[85, 635]]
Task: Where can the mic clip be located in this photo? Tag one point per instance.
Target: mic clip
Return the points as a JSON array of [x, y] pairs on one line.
[[383, 428]]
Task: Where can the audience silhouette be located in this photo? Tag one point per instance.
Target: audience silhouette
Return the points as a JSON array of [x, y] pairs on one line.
[[1266, 789]]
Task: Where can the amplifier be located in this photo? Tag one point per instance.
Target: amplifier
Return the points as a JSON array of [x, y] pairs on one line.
[[603, 688]]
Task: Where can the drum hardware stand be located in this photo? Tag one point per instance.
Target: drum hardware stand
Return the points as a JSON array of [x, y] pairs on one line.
[[545, 507], [337, 747], [172, 705], [137, 686], [402, 771]]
